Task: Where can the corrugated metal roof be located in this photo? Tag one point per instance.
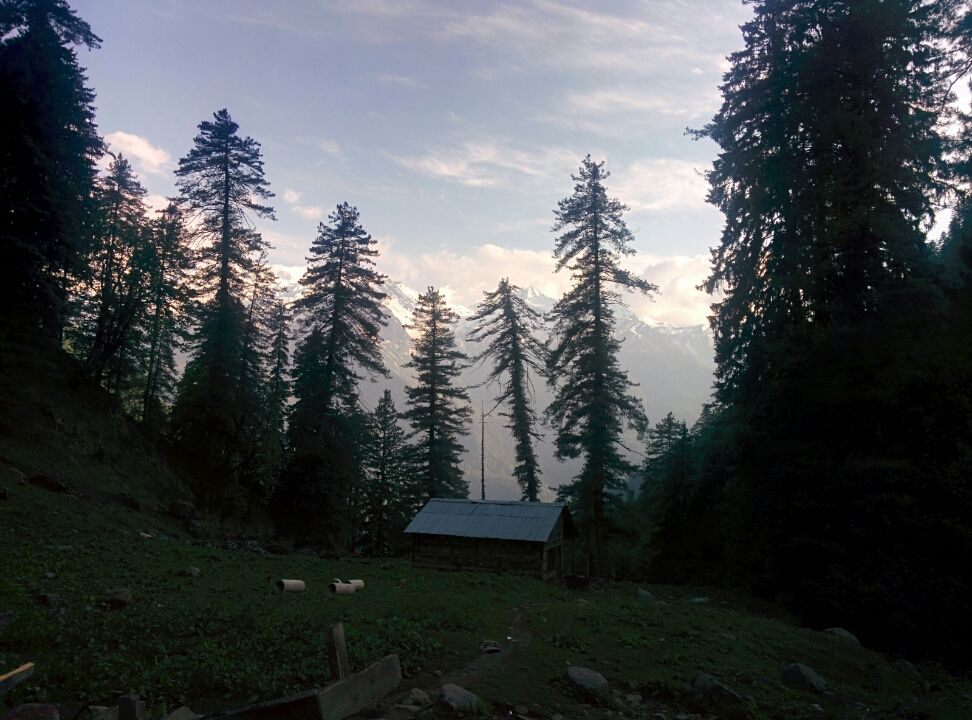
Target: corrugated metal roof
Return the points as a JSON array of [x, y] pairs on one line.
[[529, 521]]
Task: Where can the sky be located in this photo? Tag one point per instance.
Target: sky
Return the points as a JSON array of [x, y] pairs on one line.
[[454, 127]]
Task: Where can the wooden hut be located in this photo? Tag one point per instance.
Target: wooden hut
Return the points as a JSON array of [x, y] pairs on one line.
[[527, 538]]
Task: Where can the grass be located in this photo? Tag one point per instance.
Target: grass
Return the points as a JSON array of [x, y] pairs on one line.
[[228, 638]]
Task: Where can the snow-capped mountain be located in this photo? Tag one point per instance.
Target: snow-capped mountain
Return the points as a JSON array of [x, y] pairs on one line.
[[672, 366]]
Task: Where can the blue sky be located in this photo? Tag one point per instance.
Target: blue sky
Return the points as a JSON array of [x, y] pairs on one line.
[[452, 126]]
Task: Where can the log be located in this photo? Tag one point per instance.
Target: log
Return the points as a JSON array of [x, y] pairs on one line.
[[291, 585], [335, 702], [337, 653], [352, 695], [12, 679]]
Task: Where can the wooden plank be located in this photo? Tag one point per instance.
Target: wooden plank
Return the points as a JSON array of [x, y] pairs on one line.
[[10, 680], [353, 694], [303, 706], [337, 653]]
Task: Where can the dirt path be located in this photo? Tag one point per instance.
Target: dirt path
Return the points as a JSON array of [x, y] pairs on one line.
[[517, 636]]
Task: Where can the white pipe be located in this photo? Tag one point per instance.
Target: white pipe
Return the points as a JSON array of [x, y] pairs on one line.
[[290, 585], [358, 584], [341, 588]]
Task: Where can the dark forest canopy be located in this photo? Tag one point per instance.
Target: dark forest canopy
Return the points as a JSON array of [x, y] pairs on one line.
[[832, 471]]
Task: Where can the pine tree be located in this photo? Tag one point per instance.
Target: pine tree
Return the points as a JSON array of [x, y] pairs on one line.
[[830, 135], [47, 159], [508, 325], [168, 302], [341, 316], [438, 409], [222, 187], [390, 494], [592, 399], [111, 303]]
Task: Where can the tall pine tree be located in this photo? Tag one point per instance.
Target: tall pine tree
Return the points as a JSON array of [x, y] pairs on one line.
[[223, 189], [508, 325], [592, 401], [47, 160], [438, 409]]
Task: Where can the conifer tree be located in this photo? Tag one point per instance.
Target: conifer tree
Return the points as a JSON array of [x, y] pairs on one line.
[[508, 325], [223, 188], [341, 315], [438, 409], [47, 159], [168, 305], [112, 301], [592, 400], [390, 493]]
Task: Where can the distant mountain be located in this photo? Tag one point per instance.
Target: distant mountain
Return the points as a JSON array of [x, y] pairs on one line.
[[672, 365]]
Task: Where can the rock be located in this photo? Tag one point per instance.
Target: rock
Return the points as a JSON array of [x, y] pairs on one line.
[[130, 501], [418, 696], [843, 634], [50, 600], [521, 710], [706, 690], [183, 713], [456, 697], [49, 483], [489, 647], [34, 711], [190, 572], [633, 698], [643, 594], [101, 712], [800, 677], [119, 598], [437, 673], [906, 668], [586, 679], [182, 510], [194, 529]]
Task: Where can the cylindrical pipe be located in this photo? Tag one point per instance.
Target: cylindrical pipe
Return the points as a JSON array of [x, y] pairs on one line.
[[341, 588], [358, 584], [290, 585]]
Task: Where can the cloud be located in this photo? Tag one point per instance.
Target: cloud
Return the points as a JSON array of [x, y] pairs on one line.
[[679, 301], [402, 80], [309, 212], [660, 184], [489, 163], [329, 146], [147, 158], [291, 197]]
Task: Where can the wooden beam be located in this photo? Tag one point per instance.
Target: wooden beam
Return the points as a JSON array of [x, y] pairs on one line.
[[303, 706], [337, 652], [12, 679], [353, 694]]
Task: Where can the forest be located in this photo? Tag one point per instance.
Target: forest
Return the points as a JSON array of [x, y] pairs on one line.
[[831, 472]]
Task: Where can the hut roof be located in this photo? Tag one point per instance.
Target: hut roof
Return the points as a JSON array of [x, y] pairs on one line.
[[530, 521]]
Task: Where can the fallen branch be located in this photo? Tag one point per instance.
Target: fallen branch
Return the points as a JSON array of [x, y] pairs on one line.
[[13, 678]]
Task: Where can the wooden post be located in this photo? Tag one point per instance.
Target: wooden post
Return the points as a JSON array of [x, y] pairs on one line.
[[10, 680], [337, 653]]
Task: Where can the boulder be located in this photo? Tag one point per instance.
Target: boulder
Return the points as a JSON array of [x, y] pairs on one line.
[[183, 713], [50, 483], [488, 647], [418, 696], [190, 572], [456, 697], [706, 690], [643, 594], [119, 598], [798, 676], [34, 711], [586, 679], [843, 635], [182, 510]]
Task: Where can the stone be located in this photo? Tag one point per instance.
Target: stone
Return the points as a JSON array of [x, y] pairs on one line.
[[50, 600], [119, 598], [130, 707], [843, 635], [190, 572], [706, 690], [34, 711], [633, 698], [182, 510], [182, 713], [643, 594], [101, 712], [488, 647], [456, 697], [798, 676], [906, 668], [50, 483], [586, 679], [418, 696]]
